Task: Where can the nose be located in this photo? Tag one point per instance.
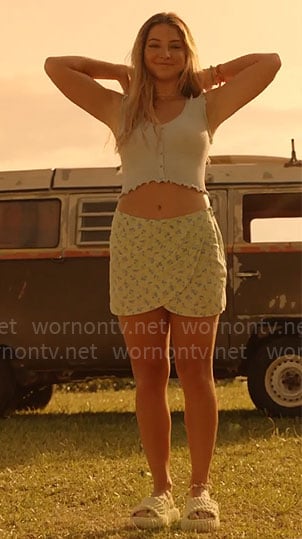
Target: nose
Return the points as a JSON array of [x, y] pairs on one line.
[[165, 53]]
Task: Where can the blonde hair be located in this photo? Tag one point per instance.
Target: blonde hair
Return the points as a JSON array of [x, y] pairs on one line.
[[139, 106]]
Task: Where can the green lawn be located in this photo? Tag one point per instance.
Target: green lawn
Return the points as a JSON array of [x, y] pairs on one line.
[[76, 469]]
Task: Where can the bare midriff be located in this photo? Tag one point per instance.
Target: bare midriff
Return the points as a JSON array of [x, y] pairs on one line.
[[155, 200]]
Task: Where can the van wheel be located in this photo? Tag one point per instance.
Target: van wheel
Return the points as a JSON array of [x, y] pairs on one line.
[[275, 377], [7, 389], [33, 397]]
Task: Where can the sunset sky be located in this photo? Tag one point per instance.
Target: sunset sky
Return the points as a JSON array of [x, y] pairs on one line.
[[40, 128]]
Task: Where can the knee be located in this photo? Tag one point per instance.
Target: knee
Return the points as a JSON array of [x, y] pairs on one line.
[[151, 389], [195, 373], [151, 376]]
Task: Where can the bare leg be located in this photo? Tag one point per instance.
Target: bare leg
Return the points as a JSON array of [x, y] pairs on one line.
[[194, 360], [149, 353]]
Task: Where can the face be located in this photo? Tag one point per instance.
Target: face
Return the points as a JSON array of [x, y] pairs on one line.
[[164, 53]]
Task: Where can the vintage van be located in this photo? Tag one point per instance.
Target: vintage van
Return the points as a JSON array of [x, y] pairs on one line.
[[55, 321]]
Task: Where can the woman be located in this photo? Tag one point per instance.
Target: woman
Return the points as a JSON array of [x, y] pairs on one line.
[[167, 265]]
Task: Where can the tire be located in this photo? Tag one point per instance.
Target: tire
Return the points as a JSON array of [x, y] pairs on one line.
[[7, 389], [33, 397], [275, 377]]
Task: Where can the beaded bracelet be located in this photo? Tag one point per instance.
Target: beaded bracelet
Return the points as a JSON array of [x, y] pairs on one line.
[[213, 75], [220, 74]]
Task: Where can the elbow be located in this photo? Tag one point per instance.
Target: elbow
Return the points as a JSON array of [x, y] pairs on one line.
[[48, 62], [276, 61], [272, 63], [53, 62]]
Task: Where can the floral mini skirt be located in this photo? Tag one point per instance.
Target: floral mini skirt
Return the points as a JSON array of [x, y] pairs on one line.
[[178, 263]]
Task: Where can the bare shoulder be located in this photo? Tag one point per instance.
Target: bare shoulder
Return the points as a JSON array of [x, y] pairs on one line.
[[223, 102], [85, 92]]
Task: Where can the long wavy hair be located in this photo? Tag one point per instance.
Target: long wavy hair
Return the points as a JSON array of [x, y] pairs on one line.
[[139, 106]]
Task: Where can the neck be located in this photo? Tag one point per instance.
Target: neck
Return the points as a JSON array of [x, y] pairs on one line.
[[166, 91], [168, 97]]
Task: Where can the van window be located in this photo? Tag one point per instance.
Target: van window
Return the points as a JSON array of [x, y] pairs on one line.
[[272, 217], [29, 224], [94, 221]]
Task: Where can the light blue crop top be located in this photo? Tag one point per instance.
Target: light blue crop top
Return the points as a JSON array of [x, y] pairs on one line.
[[178, 155]]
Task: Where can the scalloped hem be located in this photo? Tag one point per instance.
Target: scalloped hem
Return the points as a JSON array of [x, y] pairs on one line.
[[189, 186]]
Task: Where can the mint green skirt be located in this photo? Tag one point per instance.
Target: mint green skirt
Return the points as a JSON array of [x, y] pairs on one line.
[[178, 263]]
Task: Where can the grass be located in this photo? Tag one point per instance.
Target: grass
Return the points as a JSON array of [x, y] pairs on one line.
[[75, 469]]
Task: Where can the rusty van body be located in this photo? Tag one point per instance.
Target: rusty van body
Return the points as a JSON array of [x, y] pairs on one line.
[[55, 321]]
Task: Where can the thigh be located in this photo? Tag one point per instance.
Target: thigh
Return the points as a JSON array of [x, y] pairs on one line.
[[204, 294], [193, 340], [147, 338]]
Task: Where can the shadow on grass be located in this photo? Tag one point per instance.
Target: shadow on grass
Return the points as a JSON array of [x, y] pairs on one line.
[[115, 434], [129, 531]]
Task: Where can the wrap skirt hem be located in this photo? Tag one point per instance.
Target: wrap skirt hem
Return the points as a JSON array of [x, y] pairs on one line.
[[179, 312]]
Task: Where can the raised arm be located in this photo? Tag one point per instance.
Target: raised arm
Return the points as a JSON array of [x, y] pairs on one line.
[[75, 77], [245, 78]]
